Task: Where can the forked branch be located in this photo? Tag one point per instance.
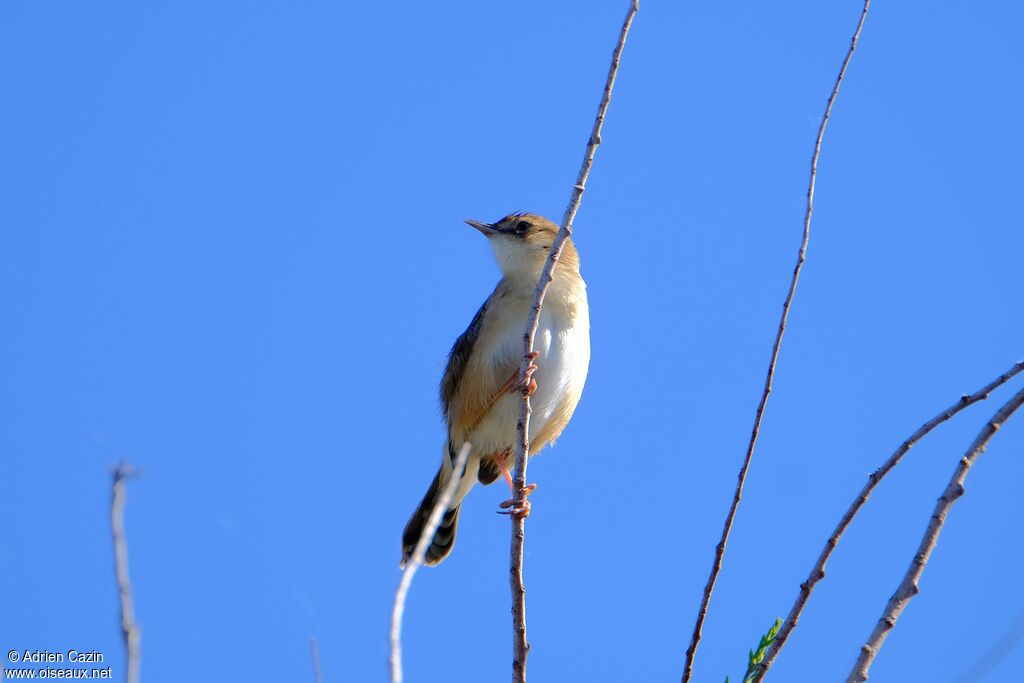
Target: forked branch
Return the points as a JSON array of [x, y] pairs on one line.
[[908, 587], [818, 571]]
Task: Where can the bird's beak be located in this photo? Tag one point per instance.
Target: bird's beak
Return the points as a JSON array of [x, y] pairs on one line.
[[487, 229]]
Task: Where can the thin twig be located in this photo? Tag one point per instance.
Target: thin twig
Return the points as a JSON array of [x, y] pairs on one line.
[[414, 562], [801, 256], [314, 654], [818, 571], [520, 646], [908, 587], [129, 629]]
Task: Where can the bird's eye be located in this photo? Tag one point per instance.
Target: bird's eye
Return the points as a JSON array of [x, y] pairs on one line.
[[523, 227]]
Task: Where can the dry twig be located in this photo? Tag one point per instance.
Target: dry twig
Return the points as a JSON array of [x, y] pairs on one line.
[[908, 587], [801, 255], [818, 571], [129, 629], [416, 559], [520, 646]]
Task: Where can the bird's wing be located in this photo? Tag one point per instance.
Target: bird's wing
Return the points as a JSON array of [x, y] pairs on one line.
[[458, 359], [477, 373]]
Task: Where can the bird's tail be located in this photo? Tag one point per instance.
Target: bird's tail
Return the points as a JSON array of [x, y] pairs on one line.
[[444, 538]]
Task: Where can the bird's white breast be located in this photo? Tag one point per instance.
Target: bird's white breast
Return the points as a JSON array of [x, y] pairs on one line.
[[563, 346]]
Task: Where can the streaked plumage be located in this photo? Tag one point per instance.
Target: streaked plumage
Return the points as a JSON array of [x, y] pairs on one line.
[[479, 403]]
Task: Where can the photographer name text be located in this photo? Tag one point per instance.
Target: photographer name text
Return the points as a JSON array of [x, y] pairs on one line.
[[47, 657]]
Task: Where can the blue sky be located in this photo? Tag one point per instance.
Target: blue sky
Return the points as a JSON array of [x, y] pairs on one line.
[[233, 253]]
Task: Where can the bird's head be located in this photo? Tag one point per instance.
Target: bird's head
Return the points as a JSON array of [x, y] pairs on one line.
[[522, 242]]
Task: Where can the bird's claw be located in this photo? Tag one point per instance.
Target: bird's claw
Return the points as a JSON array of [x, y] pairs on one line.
[[521, 512], [527, 384], [508, 507]]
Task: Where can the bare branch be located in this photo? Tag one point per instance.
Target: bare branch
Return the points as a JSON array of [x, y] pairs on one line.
[[908, 587], [520, 646], [801, 256], [129, 629], [416, 560], [314, 654], [818, 571]]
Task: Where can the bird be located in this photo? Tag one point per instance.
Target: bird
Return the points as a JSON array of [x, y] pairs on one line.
[[481, 390]]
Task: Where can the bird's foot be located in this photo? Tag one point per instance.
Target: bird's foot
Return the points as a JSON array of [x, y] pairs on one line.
[[527, 385], [508, 507], [521, 512]]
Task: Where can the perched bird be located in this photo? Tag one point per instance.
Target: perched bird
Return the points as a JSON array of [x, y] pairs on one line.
[[481, 390]]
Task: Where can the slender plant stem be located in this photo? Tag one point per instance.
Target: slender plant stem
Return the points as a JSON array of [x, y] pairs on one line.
[[520, 645], [129, 628], [716, 565], [908, 587], [818, 571], [414, 562]]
